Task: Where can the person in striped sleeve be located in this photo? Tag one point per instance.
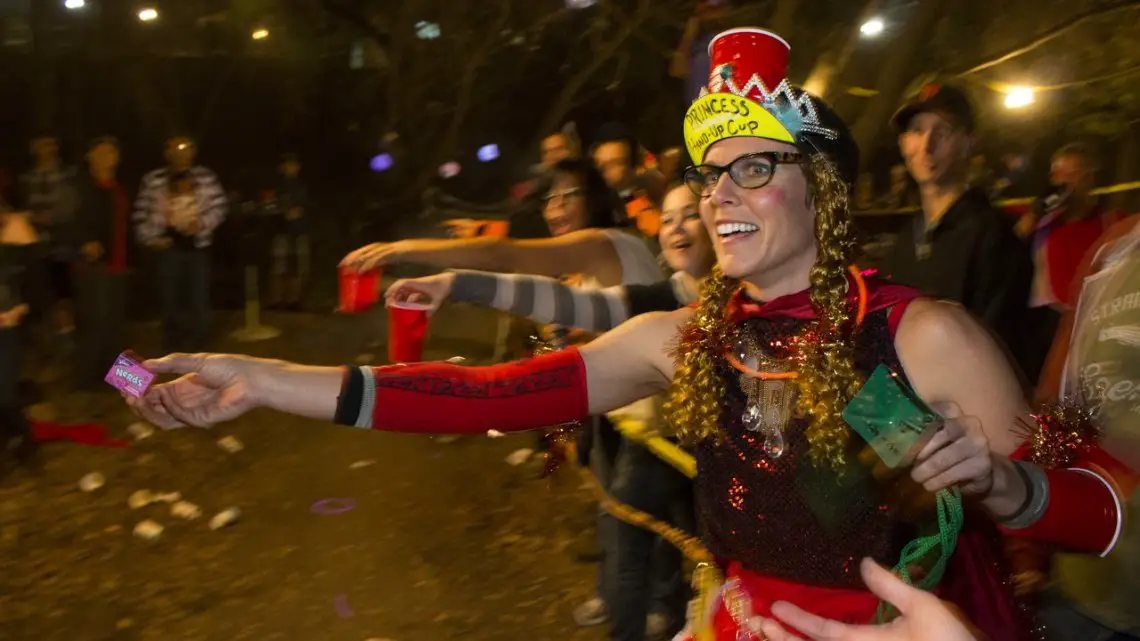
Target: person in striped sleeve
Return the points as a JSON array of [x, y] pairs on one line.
[[178, 208]]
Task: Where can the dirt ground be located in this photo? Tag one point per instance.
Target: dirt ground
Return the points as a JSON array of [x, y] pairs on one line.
[[442, 541]]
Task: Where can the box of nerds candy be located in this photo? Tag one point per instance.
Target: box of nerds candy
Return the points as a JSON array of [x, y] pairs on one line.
[[126, 375]]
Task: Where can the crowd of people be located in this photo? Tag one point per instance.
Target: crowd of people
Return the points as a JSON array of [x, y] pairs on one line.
[[71, 238]]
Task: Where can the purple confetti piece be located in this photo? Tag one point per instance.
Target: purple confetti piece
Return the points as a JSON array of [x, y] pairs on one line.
[[342, 607], [328, 507]]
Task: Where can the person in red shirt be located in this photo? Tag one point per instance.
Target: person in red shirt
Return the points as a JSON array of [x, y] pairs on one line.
[[1069, 221], [102, 223]]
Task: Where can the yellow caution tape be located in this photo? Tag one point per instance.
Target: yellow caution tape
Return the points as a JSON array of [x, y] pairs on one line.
[[667, 451]]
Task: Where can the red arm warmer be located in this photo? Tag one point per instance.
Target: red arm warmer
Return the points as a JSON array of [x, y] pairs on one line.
[[440, 398], [1084, 512]]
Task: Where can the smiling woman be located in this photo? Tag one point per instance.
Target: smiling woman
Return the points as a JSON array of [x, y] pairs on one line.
[[786, 522]]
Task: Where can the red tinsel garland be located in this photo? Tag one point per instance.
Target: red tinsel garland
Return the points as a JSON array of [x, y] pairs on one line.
[[1059, 434]]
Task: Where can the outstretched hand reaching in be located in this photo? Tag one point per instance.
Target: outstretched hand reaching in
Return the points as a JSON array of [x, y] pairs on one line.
[[213, 388], [922, 617]]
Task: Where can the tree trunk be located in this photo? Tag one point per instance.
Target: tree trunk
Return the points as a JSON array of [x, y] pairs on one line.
[[566, 98], [895, 74]]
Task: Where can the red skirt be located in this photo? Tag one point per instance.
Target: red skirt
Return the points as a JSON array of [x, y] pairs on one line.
[[759, 592]]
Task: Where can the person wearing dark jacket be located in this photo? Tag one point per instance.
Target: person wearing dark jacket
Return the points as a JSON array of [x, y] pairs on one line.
[[101, 232], [21, 290], [959, 247]]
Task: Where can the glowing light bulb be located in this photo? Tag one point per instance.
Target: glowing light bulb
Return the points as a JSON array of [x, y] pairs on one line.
[[487, 153], [449, 169], [872, 28], [1019, 97], [260, 34], [382, 162], [74, 4], [149, 14]]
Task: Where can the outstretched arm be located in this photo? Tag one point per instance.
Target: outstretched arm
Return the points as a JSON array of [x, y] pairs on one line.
[[615, 370], [588, 251], [543, 299]]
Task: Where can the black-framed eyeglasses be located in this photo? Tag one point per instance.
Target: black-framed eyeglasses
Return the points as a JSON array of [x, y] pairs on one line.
[[750, 171]]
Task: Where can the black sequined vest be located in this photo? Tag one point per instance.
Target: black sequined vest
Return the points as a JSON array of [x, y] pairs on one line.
[[786, 517]]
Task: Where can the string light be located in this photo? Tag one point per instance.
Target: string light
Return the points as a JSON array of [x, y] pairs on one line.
[[149, 14], [1019, 97], [872, 28], [261, 34]]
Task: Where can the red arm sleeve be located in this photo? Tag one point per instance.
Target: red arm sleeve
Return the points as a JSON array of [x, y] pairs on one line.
[[1084, 512], [441, 398]]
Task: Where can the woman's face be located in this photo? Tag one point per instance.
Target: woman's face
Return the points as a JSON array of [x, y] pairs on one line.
[[761, 234], [685, 244], [565, 205]]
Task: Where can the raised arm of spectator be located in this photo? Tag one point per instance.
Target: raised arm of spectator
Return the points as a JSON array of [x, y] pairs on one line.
[[546, 300], [593, 252]]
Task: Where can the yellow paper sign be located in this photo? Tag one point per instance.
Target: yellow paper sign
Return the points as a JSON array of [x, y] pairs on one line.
[[717, 116]]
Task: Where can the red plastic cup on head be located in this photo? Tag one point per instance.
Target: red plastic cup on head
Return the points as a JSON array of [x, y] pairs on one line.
[[747, 52], [407, 326], [358, 290]]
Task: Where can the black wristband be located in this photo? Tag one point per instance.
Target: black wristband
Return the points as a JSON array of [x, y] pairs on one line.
[[351, 397]]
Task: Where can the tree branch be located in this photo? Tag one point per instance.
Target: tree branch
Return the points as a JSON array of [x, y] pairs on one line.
[[1044, 37], [351, 15], [565, 99]]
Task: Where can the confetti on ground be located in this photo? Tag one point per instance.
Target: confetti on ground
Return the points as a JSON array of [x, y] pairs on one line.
[[342, 607], [185, 510], [518, 457], [333, 506], [225, 518], [140, 499], [148, 530], [140, 430], [92, 482], [230, 444]]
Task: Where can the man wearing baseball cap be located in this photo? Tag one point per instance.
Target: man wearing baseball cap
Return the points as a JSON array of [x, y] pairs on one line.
[[959, 247]]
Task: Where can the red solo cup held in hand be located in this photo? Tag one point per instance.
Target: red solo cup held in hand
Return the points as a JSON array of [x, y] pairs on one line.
[[744, 53], [358, 290], [407, 327]]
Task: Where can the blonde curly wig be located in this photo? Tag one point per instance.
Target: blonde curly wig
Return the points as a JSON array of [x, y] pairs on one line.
[[827, 380]]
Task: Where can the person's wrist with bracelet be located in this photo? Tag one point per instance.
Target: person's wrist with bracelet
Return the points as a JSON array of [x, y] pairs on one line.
[[1010, 490]]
